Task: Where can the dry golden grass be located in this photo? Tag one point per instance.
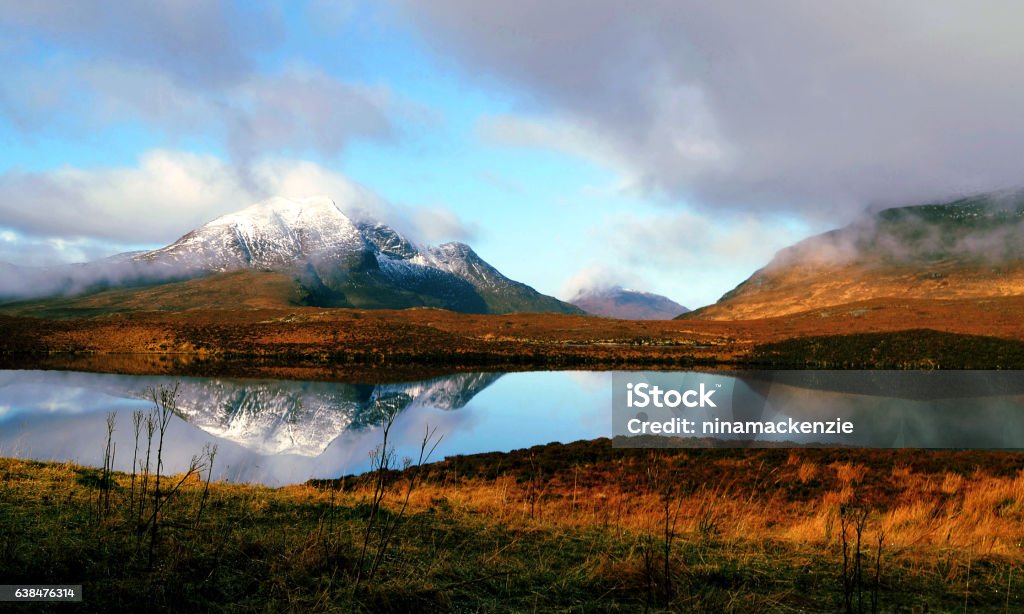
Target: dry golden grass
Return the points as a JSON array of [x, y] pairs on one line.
[[741, 543], [807, 471], [929, 513]]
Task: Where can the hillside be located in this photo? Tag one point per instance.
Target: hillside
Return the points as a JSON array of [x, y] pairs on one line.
[[968, 249]]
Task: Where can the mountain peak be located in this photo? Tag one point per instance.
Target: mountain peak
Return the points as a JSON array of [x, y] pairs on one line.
[[272, 234], [282, 209], [455, 248], [339, 262]]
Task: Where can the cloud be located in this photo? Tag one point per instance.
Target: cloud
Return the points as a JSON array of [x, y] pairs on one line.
[[170, 192], [187, 69], [706, 254], [41, 252], [438, 224], [304, 109], [295, 109], [198, 42], [164, 196], [597, 277], [74, 215], [803, 106], [693, 240], [564, 136]]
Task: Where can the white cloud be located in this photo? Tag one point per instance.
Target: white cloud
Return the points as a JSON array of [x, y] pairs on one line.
[[165, 194], [690, 256], [690, 239], [598, 276], [560, 135], [169, 193], [184, 69], [295, 109], [438, 224], [34, 251]]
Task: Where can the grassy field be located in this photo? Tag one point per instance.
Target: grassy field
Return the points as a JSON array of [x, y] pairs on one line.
[[578, 527]]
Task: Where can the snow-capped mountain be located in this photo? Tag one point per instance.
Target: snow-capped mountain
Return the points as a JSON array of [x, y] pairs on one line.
[[273, 234], [332, 260], [341, 262]]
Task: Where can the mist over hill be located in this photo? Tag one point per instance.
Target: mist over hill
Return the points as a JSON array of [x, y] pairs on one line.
[[968, 248]]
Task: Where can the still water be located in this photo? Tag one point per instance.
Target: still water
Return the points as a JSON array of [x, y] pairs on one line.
[[281, 432]]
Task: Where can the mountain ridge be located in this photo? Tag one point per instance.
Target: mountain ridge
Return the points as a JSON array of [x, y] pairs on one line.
[[334, 261]]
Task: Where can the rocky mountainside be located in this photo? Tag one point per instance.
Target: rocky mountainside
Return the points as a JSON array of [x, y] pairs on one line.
[[970, 248], [333, 261], [625, 304]]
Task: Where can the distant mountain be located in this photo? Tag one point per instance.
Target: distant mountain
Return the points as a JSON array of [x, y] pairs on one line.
[[331, 260], [969, 248], [625, 304]]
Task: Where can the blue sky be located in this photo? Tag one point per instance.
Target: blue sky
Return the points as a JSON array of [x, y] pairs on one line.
[[570, 147]]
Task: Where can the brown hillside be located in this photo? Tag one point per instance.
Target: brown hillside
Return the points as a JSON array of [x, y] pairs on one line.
[[969, 249]]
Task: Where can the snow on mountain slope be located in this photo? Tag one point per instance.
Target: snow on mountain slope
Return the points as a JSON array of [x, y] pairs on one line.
[[332, 260], [269, 235], [345, 263]]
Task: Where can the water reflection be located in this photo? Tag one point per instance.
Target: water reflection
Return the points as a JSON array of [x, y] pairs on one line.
[[926, 409], [288, 417], [274, 432], [278, 432]]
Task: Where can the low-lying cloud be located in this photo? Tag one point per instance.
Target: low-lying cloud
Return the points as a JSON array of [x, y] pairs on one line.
[[705, 255], [51, 218], [18, 282], [169, 193], [987, 231], [596, 278]]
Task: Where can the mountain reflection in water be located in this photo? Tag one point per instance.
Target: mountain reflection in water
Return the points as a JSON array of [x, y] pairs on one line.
[[281, 431]]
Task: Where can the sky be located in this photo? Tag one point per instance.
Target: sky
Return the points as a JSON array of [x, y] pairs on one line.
[[673, 147]]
